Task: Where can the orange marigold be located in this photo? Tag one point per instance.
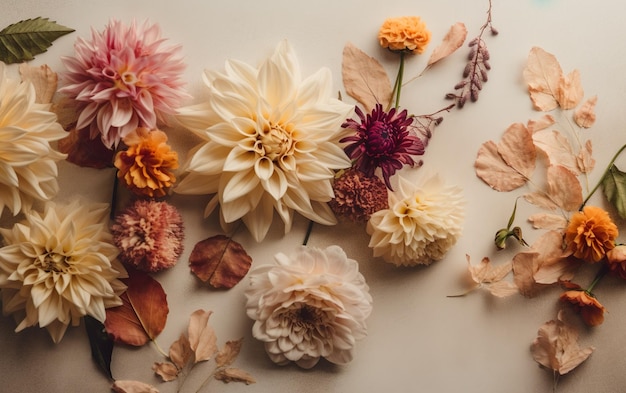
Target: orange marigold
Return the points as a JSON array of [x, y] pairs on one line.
[[407, 33], [146, 165], [590, 234], [590, 309]]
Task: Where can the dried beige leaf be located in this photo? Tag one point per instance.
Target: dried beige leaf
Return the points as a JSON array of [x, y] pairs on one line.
[[564, 188], [570, 91], [585, 160], [558, 149], [180, 352], [585, 115], [43, 79], [133, 387], [364, 78], [524, 266], [553, 264], [202, 338], [547, 221], [167, 371], [229, 353], [227, 375], [503, 288], [490, 277], [542, 75], [556, 346], [451, 42], [518, 150], [540, 199], [544, 122]]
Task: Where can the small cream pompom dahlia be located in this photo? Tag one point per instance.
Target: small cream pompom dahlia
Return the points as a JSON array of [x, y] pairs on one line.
[[270, 143], [310, 305], [422, 222], [59, 266]]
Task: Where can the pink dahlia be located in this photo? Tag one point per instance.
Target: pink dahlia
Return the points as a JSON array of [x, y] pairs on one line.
[[149, 235], [382, 140], [123, 78]]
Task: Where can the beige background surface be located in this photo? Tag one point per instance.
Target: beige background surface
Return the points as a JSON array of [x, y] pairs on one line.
[[419, 340]]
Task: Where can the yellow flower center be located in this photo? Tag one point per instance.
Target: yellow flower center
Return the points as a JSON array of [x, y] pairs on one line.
[[275, 141]]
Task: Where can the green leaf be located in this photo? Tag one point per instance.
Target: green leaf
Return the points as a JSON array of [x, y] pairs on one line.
[[101, 344], [23, 40], [614, 187]]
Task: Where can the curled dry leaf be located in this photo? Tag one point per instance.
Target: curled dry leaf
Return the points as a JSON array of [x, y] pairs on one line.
[[454, 39], [167, 371], [509, 164], [229, 353], [142, 315], [220, 260], [570, 91], [542, 75], [43, 79], [84, 151], [490, 277], [537, 125], [180, 352], [227, 375], [585, 160], [365, 79], [556, 346], [202, 338], [585, 115], [133, 387]]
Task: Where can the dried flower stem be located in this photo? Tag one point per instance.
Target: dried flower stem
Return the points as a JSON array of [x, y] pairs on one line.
[[309, 229], [601, 273], [159, 349], [397, 87], [606, 171]]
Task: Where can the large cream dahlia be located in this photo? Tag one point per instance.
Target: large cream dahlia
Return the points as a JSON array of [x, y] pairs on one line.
[[421, 224], [309, 305], [28, 164], [58, 266], [270, 143]]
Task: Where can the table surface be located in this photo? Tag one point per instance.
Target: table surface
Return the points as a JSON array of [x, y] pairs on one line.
[[418, 338]]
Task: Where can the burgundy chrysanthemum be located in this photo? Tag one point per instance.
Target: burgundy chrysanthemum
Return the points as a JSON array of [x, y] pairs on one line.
[[149, 235], [382, 140], [357, 196]]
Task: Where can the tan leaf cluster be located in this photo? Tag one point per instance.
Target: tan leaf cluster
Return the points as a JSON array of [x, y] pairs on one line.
[[508, 164], [563, 191], [490, 277], [545, 263], [43, 79], [454, 38], [556, 346], [364, 78]]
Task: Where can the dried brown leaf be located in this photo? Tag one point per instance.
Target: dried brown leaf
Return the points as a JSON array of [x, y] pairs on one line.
[[364, 78], [484, 272], [220, 260], [537, 125], [564, 188], [540, 199], [542, 75], [43, 79], [502, 288], [84, 151], [553, 264], [180, 352], [451, 42], [585, 115], [202, 338], [558, 149], [133, 387], [167, 371], [585, 160], [556, 346], [524, 266], [518, 150], [570, 91], [547, 221], [229, 353], [227, 375]]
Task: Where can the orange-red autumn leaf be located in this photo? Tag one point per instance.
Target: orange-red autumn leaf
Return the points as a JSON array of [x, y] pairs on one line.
[[227, 355], [227, 375], [202, 338], [451, 42], [570, 90], [556, 346], [84, 151], [364, 78], [510, 163], [585, 115], [142, 315], [219, 260], [43, 79], [542, 75], [133, 387]]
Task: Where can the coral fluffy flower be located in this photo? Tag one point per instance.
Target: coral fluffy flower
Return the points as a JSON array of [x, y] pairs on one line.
[[60, 266], [590, 234], [269, 143], [309, 305], [382, 140], [28, 163], [407, 33], [422, 222], [146, 165], [590, 309], [123, 78]]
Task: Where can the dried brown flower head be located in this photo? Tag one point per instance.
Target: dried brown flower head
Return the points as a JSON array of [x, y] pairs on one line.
[[590, 234], [358, 196]]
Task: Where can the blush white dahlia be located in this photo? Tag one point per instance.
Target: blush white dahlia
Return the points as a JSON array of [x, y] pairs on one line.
[[421, 224], [59, 266], [270, 143], [28, 163], [310, 305]]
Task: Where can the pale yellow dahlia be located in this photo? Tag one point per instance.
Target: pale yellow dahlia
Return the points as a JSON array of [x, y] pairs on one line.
[[270, 143], [421, 224], [59, 266], [28, 164]]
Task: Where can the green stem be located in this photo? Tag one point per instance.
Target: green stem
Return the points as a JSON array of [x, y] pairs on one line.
[[601, 273], [606, 171], [399, 79]]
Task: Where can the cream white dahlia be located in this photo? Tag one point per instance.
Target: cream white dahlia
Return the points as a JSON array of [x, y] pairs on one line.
[[28, 164], [421, 224], [59, 266], [270, 143], [310, 305]]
